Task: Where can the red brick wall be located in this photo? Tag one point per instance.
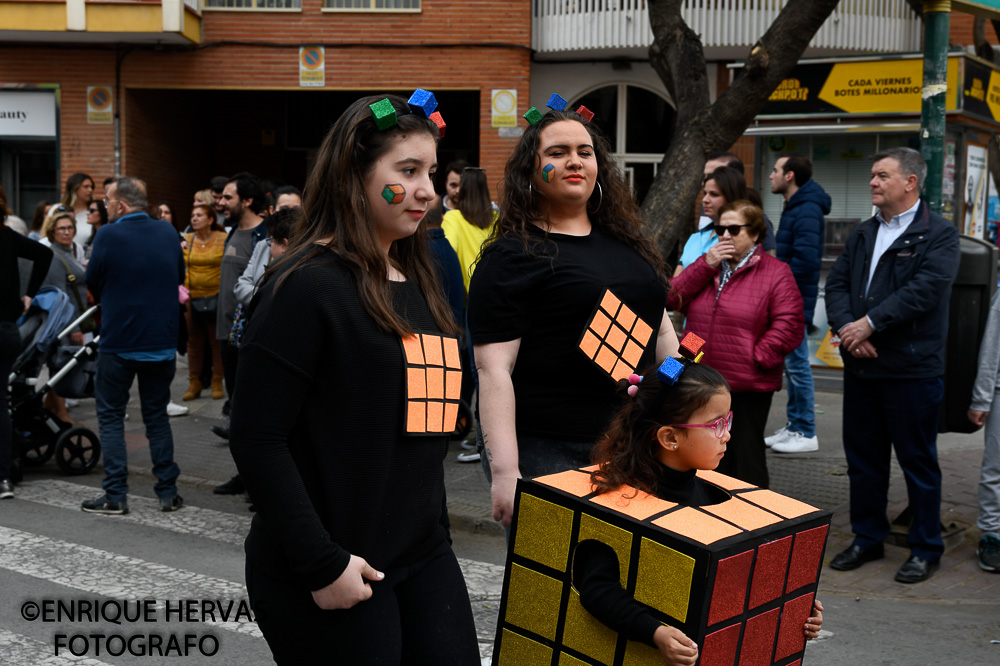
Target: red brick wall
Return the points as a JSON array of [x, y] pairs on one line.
[[960, 29]]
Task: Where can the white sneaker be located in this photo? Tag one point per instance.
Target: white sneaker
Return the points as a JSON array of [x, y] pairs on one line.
[[71, 403], [796, 442], [176, 410], [470, 457], [781, 435]]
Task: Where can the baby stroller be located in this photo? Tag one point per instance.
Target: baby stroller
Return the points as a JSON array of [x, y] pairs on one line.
[[38, 434]]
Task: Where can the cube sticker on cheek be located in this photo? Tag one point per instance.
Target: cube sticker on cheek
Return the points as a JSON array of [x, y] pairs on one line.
[[547, 173], [394, 194], [615, 338], [433, 384]]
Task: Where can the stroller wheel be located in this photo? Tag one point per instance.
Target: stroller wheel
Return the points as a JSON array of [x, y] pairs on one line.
[[463, 424], [77, 451], [35, 441]]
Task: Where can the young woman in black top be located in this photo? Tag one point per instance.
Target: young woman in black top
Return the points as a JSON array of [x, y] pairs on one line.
[[569, 232], [656, 443], [347, 559]]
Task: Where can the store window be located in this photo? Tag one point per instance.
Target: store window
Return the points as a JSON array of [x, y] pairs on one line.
[[372, 5], [638, 124]]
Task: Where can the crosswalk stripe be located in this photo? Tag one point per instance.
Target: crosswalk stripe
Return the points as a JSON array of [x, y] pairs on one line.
[[484, 580], [18, 649], [116, 576]]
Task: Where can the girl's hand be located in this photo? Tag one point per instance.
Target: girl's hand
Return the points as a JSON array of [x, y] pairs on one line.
[[350, 588], [814, 623], [724, 250], [675, 648]]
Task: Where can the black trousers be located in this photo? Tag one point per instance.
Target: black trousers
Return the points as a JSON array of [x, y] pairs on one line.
[[230, 356], [10, 346], [419, 614], [746, 457]]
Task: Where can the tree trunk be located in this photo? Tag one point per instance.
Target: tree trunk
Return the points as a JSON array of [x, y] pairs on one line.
[[678, 57]]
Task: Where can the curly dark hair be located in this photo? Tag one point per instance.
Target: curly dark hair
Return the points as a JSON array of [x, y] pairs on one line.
[[614, 212], [626, 452]]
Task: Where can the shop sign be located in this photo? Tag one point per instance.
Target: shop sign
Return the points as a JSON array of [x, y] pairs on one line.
[[504, 107], [312, 66], [976, 190], [981, 90], [27, 113], [99, 105], [865, 86]]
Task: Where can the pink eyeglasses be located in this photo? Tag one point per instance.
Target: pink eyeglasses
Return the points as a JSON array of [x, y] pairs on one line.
[[722, 425]]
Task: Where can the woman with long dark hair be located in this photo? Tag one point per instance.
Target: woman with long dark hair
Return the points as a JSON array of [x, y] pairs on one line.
[[340, 423], [567, 298], [468, 225]]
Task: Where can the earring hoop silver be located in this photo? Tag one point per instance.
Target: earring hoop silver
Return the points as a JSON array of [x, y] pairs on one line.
[[600, 197]]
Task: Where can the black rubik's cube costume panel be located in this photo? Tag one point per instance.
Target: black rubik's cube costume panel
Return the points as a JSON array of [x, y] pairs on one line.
[[738, 577]]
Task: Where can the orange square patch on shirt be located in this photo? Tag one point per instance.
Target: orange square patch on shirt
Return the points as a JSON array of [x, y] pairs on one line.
[[615, 337], [433, 383]]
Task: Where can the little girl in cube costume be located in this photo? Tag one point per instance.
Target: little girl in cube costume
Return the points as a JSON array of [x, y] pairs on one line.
[[674, 422]]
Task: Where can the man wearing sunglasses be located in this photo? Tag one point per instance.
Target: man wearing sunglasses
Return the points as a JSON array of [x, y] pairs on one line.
[[887, 298]]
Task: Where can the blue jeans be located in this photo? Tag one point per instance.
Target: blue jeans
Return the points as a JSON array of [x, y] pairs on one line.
[[801, 400], [114, 379], [901, 414]]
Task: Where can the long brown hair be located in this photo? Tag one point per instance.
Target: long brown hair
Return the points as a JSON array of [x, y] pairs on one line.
[[626, 452], [474, 198], [612, 209], [336, 207]]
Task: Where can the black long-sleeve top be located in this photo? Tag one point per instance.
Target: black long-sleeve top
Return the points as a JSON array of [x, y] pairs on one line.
[[596, 573], [317, 431], [12, 246]]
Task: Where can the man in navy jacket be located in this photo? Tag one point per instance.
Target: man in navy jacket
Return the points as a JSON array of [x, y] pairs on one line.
[[134, 272], [800, 245], [887, 297]]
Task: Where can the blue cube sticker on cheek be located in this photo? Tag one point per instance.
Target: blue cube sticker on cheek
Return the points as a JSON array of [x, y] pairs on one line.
[[547, 173]]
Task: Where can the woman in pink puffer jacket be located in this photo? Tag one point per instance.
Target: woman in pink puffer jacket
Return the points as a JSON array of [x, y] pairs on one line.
[[747, 307]]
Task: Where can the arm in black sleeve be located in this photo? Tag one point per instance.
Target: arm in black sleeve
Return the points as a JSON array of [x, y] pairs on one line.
[[40, 257], [596, 576]]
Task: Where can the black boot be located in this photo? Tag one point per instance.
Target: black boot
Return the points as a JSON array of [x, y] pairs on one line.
[[233, 486]]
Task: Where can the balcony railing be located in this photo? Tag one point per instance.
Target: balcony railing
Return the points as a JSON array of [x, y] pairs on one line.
[[585, 25]]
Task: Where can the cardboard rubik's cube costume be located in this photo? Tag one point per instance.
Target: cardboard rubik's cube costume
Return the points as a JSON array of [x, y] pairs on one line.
[[737, 577]]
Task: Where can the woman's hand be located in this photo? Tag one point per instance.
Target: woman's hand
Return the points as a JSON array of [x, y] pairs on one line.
[[814, 623], [502, 492], [27, 303], [978, 417], [675, 648], [77, 338], [350, 588], [724, 250]]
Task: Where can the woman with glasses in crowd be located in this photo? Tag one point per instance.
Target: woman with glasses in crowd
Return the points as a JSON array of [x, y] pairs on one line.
[[97, 217], [747, 305]]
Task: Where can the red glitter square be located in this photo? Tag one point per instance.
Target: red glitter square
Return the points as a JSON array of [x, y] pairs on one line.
[[758, 639], [729, 593], [806, 556], [719, 648], [791, 638], [769, 572]]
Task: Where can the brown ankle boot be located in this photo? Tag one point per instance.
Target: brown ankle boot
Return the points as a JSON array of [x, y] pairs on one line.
[[194, 390], [217, 393]]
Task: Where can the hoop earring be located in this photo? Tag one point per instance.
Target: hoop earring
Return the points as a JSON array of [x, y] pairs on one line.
[[600, 198], [531, 192]]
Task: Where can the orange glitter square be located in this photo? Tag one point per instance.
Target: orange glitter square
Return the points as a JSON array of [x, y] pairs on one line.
[[610, 303], [435, 417], [600, 324], [616, 338], [433, 355], [411, 348], [416, 383], [786, 507], [641, 332], [571, 481], [626, 317], [606, 358], [416, 416], [621, 370], [742, 513], [435, 383], [632, 353], [452, 356], [694, 524], [453, 384], [450, 417], [590, 344], [640, 507]]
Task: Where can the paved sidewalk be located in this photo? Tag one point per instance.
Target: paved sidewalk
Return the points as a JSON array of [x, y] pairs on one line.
[[818, 478]]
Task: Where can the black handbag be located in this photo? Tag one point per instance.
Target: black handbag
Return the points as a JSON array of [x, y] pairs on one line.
[[205, 304]]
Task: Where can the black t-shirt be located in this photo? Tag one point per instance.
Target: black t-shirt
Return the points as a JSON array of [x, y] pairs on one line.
[[547, 298], [317, 430]]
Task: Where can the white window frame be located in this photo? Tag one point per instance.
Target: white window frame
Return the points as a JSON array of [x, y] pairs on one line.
[[205, 7], [371, 9]]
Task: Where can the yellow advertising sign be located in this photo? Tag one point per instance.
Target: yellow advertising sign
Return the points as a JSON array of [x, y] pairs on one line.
[[882, 87]]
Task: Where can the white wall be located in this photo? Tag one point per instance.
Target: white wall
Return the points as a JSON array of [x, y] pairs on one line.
[[574, 79]]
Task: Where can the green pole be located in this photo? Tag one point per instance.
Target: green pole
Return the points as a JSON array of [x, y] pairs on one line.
[[937, 15]]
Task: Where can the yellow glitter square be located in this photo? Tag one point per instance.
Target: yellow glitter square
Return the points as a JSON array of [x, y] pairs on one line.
[[517, 650], [586, 634], [570, 660], [620, 540], [664, 579], [533, 601], [543, 532], [640, 654]]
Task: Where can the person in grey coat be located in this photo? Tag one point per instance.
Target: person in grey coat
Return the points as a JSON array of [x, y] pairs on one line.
[[985, 393]]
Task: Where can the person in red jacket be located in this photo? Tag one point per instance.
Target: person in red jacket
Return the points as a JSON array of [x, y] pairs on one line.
[[747, 304]]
